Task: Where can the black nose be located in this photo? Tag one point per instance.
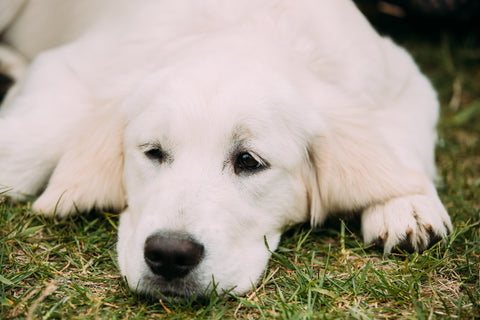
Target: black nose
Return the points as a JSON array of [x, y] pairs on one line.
[[172, 254]]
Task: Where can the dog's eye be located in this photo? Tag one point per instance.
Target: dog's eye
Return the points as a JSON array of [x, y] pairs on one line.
[[245, 162], [155, 154]]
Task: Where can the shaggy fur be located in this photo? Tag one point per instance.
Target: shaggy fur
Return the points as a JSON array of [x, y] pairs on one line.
[[152, 107]]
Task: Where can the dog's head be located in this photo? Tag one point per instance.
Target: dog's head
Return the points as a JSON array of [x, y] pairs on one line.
[[221, 155], [214, 172]]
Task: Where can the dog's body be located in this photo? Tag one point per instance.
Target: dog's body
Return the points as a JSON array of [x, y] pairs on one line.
[[215, 125]]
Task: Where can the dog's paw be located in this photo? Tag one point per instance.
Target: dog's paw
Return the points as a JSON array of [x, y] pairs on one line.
[[88, 176], [78, 197], [410, 223], [60, 204]]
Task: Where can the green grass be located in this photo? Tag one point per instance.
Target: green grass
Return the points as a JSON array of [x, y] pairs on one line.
[[68, 270]]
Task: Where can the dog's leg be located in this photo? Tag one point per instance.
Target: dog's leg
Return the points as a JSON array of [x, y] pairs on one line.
[[37, 126], [89, 174], [410, 223], [51, 131], [26, 158], [357, 172]]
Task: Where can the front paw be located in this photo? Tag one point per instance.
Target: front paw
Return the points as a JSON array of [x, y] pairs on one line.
[[410, 223], [64, 198], [59, 203]]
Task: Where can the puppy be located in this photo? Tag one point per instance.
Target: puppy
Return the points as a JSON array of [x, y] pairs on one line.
[[214, 126]]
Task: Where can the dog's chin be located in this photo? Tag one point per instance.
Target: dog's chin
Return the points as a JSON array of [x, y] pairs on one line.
[[177, 289]]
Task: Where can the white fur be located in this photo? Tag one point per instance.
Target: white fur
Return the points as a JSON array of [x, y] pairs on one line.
[[343, 117]]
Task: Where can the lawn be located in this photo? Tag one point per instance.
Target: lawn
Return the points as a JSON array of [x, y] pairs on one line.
[[68, 269]]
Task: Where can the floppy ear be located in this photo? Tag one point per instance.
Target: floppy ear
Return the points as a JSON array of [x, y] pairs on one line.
[[352, 169], [89, 174]]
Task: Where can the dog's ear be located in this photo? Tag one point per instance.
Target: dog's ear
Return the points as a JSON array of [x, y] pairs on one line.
[[89, 173], [351, 169]]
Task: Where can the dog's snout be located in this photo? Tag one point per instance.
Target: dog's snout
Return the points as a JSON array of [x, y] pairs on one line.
[[172, 255]]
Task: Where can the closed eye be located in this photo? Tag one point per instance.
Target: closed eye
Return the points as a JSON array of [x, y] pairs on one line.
[[154, 153]]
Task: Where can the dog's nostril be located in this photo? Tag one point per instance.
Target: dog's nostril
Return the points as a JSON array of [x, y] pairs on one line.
[[172, 254]]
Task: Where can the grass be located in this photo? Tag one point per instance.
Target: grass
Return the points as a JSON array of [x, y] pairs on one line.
[[68, 270]]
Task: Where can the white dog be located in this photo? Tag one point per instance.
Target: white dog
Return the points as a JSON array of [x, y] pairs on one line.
[[215, 125]]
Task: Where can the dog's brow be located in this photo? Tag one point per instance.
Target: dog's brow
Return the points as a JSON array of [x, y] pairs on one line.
[[240, 133], [150, 144], [240, 139], [238, 142]]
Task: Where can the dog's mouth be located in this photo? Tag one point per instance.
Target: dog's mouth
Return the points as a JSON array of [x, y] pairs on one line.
[[182, 289]]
